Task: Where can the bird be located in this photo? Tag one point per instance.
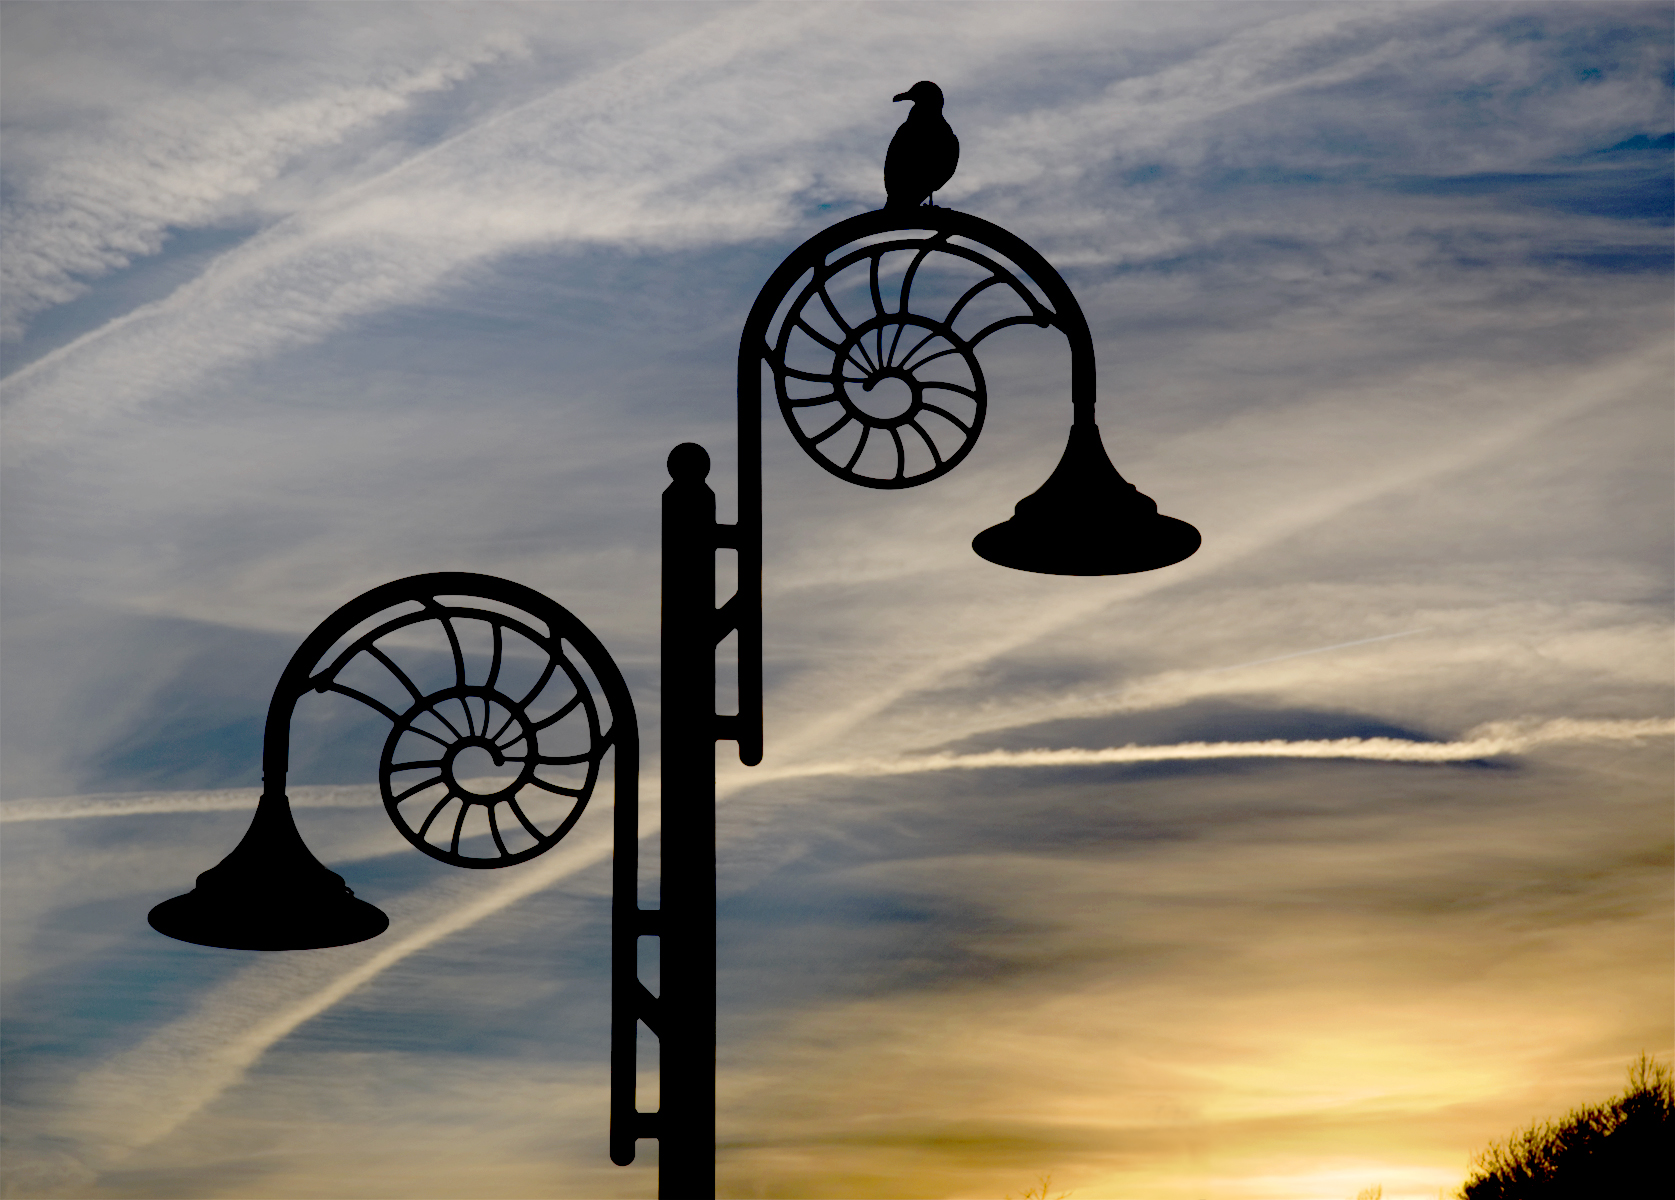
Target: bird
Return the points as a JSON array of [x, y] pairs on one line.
[[923, 154]]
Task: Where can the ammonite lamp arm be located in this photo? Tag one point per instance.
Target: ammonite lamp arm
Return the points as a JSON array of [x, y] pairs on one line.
[[271, 893]]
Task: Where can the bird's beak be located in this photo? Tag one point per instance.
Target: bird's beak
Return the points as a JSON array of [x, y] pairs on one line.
[[903, 96]]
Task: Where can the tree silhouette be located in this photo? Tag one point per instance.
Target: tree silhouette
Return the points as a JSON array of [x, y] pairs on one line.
[[1619, 1148], [1039, 1191]]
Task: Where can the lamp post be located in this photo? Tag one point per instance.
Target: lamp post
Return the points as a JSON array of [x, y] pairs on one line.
[[874, 366]]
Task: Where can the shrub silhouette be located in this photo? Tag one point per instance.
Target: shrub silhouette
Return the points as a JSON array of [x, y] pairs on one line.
[[1619, 1148]]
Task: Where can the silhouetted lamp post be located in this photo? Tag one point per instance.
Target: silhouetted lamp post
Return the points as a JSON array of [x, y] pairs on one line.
[[873, 355]]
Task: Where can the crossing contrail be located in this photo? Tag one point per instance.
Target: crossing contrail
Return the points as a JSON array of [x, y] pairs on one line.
[[1492, 740], [1485, 741]]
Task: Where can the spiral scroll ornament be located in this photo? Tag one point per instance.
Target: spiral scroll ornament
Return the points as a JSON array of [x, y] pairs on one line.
[[875, 361], [497, 733]]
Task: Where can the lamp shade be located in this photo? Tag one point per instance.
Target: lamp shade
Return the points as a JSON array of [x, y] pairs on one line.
[[270, 893], [1087, 520]]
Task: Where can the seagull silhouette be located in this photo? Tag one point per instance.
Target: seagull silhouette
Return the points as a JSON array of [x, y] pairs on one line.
[[923, 154]]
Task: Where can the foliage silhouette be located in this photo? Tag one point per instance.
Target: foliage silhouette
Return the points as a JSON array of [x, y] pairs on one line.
[[1039, 1191], [1618, 1148]]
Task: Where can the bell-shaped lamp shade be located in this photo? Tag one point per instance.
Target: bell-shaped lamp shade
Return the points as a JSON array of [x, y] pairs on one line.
[[270, 893], [1087, 520]]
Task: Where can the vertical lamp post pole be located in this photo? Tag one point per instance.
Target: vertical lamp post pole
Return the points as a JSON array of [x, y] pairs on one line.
[[691, 727]]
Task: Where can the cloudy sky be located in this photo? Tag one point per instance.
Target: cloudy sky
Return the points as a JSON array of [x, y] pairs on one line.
[[1309, 865]]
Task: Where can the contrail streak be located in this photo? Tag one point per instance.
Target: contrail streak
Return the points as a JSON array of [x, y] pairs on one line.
[[1257, 662], [130, 804], [1486, 741]]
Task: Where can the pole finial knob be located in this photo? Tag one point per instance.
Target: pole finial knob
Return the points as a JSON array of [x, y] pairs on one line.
[[689, 463]]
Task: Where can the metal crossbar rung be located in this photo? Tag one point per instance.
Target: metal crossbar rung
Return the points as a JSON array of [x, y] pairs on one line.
[[648, 1124], [727, 618], [647, 1009], [726, 728], [648, 922], [726, 536]]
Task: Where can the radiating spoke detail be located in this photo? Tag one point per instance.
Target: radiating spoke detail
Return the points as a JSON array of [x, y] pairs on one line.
[[434, 813], [971, 294], [832, 311], [553, 787], [877, 296], [494, 832], [494, 661], [930, 443], [389, 665], [930, 358], [459, 827], [816, 401], [895, 343], [1006, 323], [470, 721], [814, 333], [561, 760], [541, 683], [524, 820], [811, 377], [947, 416], [830, 430], [913, 269], [417, 788], [364, 699], [560, 714], [440, 614], [495, 737], [901, 453], [452, 728], [859, 446]]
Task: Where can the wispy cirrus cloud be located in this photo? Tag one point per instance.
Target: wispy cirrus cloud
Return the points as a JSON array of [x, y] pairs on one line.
[[548, 173], [179, 161]]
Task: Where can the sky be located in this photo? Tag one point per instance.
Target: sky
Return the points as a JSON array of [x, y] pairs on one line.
[[1302, 868]]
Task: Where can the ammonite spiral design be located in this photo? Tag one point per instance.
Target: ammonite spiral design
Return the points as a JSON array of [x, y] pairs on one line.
[[496, 735], [873, 373]]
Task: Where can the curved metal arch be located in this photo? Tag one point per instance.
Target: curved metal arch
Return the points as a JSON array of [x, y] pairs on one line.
[[943, 224], [501, 715]]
